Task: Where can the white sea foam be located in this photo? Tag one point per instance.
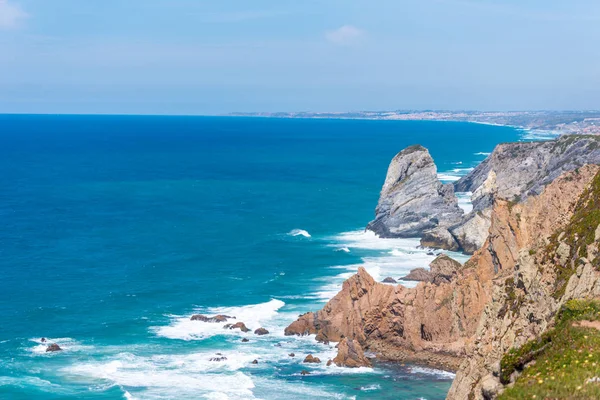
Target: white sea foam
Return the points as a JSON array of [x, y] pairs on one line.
[[464, 201], [370, 388], [299, 232], [254, 316], [66, 344], [165, 376], [481, 153], [431, 371], [344, 249], [446, 177]]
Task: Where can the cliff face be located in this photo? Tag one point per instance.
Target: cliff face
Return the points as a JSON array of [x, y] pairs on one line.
[[524, 169], [534, 258], [515, 171], [557, 260], [412, 199]]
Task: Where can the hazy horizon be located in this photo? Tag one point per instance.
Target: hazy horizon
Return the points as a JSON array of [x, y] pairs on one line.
[[197, 58]]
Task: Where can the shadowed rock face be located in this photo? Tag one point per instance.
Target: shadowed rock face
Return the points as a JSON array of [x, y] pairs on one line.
[[412, 199]]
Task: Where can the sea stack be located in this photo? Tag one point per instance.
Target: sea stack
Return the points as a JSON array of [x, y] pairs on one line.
[[413, 200]]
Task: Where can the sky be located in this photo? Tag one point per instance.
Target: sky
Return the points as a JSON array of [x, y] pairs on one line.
[[215, 57]]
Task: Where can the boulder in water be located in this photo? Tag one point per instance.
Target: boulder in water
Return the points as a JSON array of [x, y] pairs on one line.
[[311, 359], [216, 318], [53, 347], [238, 325], [261, 331], [389, 279], [350, 354]]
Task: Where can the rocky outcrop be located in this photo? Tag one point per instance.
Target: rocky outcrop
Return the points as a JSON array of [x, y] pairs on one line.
[[389, 279], [261, 331], [507, 293], [216, 318], [513, 172], [310, 359], [523, 169], [555, 238], [442, 269], [440, 238], [350, 354], [239, 325], [412, 199], [53, 347]]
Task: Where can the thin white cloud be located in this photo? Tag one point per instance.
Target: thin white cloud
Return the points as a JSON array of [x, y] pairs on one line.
[[11, 15], [345, 35]]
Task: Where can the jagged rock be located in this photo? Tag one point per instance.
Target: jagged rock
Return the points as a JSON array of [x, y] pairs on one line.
[[216, 318], [218, 359], [412, 199], [238, 325], [439, 324], [526, 292], [53, 347], [329, 362], [261, 331], [350, 354], [389, 280], [244, 340], [439, 238], [445, 266], [304, 372], [311, 359], [418, 275], [255, 362], [523, 169]]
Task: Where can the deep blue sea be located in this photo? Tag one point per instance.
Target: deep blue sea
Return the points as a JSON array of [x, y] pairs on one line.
[[116, 229]]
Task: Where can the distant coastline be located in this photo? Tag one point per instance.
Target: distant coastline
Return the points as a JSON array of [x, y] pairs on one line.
[[545, 122]]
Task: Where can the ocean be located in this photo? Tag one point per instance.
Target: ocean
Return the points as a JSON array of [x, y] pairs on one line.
[[116, 229]]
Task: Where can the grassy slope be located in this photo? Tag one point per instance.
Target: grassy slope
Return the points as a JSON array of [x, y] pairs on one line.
[[566, 357]]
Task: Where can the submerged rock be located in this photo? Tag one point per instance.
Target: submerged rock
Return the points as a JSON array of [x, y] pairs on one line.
[[261, 331], [350, 354], [244, 340], [255, 362], [304, 372], [292, 355], [216, 318], [311, 359], [53, 347], [412, 199], [218, 359]]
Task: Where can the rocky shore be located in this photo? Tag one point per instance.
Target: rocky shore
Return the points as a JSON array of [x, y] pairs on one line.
[[534, 234]]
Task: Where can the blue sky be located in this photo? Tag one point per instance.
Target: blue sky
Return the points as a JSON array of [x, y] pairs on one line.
[[206, 57]]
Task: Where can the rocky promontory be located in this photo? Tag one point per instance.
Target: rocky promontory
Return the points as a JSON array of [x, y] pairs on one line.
[[412, 199], [538, 254]]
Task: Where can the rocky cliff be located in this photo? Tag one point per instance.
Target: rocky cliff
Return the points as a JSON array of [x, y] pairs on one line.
[[538, 254], [412, 199]]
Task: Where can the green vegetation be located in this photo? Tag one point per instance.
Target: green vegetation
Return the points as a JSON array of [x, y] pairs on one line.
[[567, 359], [580, 233]]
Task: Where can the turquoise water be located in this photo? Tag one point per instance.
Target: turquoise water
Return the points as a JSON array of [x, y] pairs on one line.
[[116, 229]]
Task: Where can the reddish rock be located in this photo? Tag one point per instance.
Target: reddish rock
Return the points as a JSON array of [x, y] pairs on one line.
[[350, 354], [261, 331], [311, 359]]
